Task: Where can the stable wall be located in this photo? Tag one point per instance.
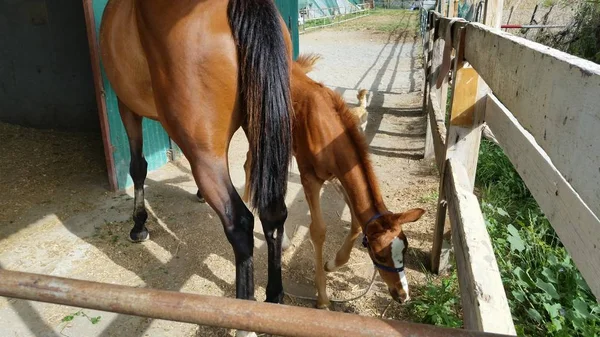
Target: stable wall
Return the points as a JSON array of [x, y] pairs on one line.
[[45, 73]]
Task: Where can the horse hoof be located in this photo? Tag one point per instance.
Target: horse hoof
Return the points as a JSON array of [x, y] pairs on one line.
[[142, 236], [200, 197], [285, 243], [245, 334], [277, 298], [330, 266], [324, 306]]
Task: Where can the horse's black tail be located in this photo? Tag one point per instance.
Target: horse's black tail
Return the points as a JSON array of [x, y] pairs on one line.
[[264, 93]]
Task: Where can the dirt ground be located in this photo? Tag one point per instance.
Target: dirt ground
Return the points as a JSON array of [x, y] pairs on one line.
[[58, 218]]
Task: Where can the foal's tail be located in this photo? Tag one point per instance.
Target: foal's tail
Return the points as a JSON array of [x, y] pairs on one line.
[[264, 93], [307, 61]]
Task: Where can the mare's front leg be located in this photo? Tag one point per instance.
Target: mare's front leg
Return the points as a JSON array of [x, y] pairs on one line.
[[312, 189], [138, 168]]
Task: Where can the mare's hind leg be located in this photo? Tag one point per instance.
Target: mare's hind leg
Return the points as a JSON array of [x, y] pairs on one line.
[[272, 220], [212, 177], [285, 243], [138, 168]]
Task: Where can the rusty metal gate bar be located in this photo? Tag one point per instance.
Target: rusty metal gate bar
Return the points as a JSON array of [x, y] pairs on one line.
[[210, 310]]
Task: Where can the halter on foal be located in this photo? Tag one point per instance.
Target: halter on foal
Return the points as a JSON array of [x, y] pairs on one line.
[[328, 144], [159, 56]]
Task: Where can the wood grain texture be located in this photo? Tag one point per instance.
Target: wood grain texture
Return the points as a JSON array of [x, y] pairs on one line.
[[90, 23], [554, 95], [434, 110], [438, 129], [493, 13], [429, 152], [463, 105], [462, 141], [484, 303], [574, 222]]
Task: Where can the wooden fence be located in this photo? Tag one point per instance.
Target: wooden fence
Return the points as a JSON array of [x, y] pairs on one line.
[[543, 106]]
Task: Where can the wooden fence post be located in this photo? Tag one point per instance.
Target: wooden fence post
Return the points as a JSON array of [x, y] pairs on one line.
[[429, 151], [451, 11], [433, 61], [467, 111], [492, 15]]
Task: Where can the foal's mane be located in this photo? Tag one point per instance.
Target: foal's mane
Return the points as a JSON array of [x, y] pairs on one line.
[[351, 122]]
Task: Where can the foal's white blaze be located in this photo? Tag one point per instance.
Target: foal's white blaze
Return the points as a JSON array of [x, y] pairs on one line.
[[398, 258]]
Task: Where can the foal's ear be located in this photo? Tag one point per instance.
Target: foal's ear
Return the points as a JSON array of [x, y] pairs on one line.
[[408, 216]]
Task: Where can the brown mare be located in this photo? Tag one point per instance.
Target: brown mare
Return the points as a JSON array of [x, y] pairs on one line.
[[329, 144], [159, 56]]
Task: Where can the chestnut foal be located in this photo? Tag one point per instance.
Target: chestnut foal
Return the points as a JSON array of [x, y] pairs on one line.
[[159, 55], [329, 144]]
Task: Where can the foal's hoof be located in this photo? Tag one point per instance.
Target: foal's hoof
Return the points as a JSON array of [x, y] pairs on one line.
[[330, 266], [139, 236], [200, 197], [245, 334], [324, 306]]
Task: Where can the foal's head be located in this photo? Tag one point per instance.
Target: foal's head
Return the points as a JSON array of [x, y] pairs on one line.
[[387, 246]]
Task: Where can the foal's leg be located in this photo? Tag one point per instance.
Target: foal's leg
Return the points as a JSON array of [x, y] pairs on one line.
[[343, 254], [247, 163], [138, 168], [312, 189]]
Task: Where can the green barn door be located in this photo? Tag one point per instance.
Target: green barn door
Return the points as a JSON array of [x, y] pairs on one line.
[[289, 11], [156, 140]]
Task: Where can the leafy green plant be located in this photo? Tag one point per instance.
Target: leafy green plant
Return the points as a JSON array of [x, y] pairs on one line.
[[70, 317], [429, 197], [547, 294], [437, 303]]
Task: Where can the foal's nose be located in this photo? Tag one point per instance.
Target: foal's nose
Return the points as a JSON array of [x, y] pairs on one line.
[[400, 296]]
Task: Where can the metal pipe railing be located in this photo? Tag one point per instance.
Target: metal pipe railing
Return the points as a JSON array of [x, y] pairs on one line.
[[210, 310]]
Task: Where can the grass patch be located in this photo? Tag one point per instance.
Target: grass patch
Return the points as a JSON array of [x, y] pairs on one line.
[[437, 302], [546, 292], [387, 21], [429, 197], [70, 317], [378, 21], [315, 23]]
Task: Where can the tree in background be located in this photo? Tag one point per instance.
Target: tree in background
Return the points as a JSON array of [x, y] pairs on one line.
[[582, 36]]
